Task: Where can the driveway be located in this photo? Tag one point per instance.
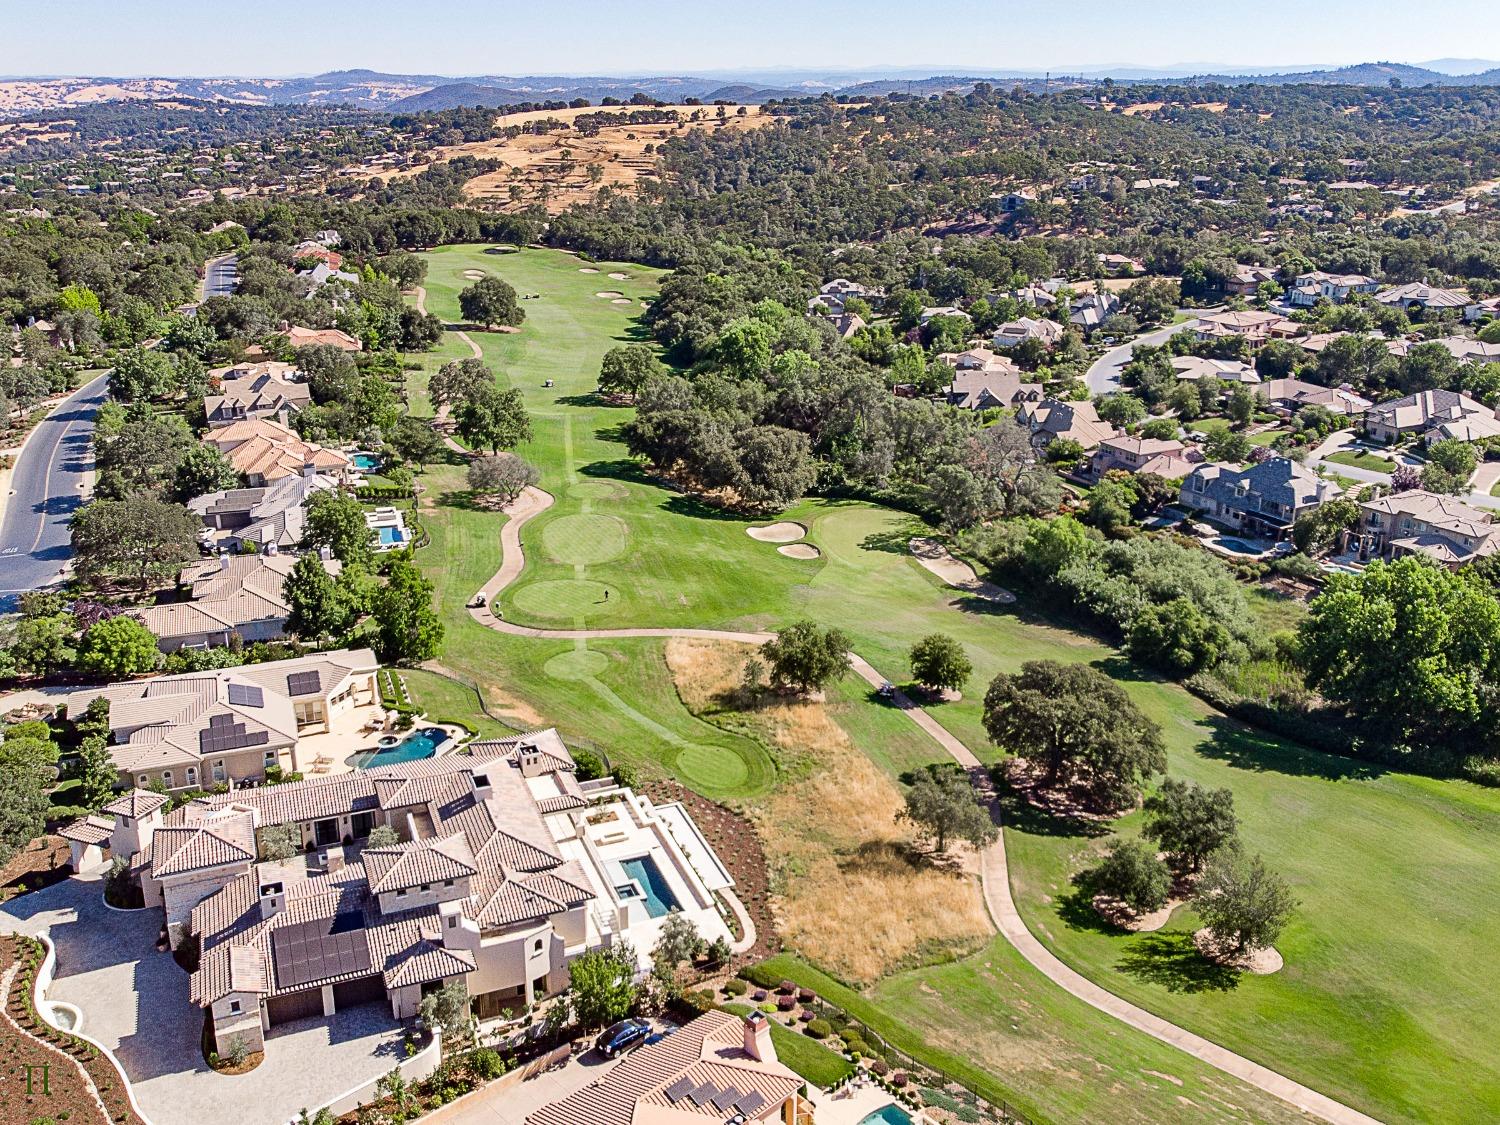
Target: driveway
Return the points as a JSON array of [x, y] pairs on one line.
[[220, 276], [135, 1001], [47, 487], [1103, 376], [511, 1105]]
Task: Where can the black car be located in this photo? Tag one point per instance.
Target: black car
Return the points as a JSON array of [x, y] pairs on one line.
[[623, 1036]]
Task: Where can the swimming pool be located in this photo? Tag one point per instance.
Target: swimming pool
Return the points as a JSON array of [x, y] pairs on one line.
[[891, 1114], [366, 462], [658, 893], [415, 746], [389, 536]]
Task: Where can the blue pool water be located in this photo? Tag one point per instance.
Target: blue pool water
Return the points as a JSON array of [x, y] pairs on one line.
[[415, 746], [659, 896], [391, 535], [891, 1114], [366, 462]]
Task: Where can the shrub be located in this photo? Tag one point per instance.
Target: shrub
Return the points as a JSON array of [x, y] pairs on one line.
[[900, 1079], [487, 1063], [736, 987], [849, 1035], [880, 1067], [818, 1029], [760, 976], [786, 987], [786, 1003], [806, 995]]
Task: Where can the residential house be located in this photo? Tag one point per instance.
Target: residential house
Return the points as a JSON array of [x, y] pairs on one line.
[[1191, 368], [1479, 310], [1415, 414], [201, 728], [1036, 297], [1262, 500], [840, 289], [256, 390], [263, 451], [943, 310], [1167, 458], [1051, 420], [1247, 280], [507, 868], [1014, 332], [232, 596], [271, 517], [718, 1067], [1315, 285], [1462, 348], [317, 251], [1091, 310], [1014, 201], [1121, 265], [1154, 184], [1256, 327], [1441, 528], [1315, 343], [846, 324], [322, 273], [1291, 395], [299, 337], [983, 380], [1418, 295]]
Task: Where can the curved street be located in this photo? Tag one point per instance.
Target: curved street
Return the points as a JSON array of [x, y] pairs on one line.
[[993, 866], [1103, 375], [47, 487]]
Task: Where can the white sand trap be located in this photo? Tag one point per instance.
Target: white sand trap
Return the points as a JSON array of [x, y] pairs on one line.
[[784, 532], [619, 277], [587, 269], [621, 301], [475, 275], [609, 294], [800, 551]]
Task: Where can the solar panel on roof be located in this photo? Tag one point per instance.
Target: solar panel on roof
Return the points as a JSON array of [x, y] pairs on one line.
[[677, 1089], [326, 947], [703, 1094], [303, 683], [246, 695], [750, 1103], [726, 1098]]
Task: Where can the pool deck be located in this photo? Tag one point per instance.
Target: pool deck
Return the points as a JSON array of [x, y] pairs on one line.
[[850, 1106]]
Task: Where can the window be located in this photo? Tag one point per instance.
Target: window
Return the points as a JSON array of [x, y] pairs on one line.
[[537, 946], [192, 775], [453, 921], [234, 1006], [218, 770], [166, 778], [426, 886], [447, 882], [400, 892], [270, 759], [143, 781]]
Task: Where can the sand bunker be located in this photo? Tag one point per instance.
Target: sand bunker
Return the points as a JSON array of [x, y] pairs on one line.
[[784, 532], [475, 275], [587, 269], [609, 294], [619, 276], [621, 301], [799, 551]]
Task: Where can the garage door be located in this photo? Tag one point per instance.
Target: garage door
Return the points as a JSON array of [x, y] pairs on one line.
[[365, 990], [295, 1006]]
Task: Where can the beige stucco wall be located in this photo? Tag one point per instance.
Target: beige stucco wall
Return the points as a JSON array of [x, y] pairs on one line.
[[181, 893]]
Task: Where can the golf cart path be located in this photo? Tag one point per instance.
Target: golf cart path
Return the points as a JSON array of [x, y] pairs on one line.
[[419, 298], [994, 870]]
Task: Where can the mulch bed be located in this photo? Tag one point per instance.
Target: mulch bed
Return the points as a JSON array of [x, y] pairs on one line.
[[734, 839], [25, 1039], [41, 863]]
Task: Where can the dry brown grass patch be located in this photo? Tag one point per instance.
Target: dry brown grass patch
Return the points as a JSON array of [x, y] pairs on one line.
[[853, 892]]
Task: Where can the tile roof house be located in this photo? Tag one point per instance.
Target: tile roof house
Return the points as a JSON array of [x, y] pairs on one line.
[[1248, 279], [1091, 310], [201, 728], [1293, 394], [1051, 420], [1461, 348], [716, 1068], [1420, 295], [1263, 500], [229, 596], [1441, 528], [983, 389], [506, 867], [263, 451], [256, 390], [299, 337], [273, 516], [1194, 367], [1170, 460], [1417, 413], [1014, 332], [1315, 285], [1256, 327]]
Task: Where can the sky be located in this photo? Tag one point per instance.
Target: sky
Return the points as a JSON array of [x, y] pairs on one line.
[[124, 38]]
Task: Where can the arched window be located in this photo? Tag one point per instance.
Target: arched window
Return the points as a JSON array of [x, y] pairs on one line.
[[537, 946], [166, 778], [192, 775]]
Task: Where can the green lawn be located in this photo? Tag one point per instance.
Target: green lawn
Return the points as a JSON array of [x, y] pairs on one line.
[[809, 1058], [1360, 459], [1396, 875]]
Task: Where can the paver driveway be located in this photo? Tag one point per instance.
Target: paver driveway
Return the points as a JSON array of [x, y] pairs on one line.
[[135, 1001]]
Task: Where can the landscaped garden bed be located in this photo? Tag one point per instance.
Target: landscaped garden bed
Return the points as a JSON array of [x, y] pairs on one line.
[[78, 1076]]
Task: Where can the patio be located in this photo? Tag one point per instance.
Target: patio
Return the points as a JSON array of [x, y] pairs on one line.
[[135, 1002]]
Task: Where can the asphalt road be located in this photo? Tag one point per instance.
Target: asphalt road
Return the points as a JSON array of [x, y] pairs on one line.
[[47, 487], [1103, 377], [220, 276]]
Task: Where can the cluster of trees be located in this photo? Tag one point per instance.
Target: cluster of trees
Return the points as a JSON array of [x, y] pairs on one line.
[[487, 415]]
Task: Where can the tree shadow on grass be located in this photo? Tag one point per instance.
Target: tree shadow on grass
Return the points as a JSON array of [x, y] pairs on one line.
[[587, 399], [1076, 909], [1247, 748], [895, 540], [1021, 815], [1171, 960]]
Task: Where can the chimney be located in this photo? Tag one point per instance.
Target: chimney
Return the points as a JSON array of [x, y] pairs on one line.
[[758, 1037], [325, 553], [333, 858], [272, 548], [224, 562], [272, 897], [482, 787]]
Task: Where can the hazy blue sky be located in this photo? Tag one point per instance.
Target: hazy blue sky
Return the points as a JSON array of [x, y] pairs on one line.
[[269, 37]]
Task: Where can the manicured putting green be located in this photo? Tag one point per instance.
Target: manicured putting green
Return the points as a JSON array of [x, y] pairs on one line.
[[586, 538], [712, 768], [580, 664], [566, 598]]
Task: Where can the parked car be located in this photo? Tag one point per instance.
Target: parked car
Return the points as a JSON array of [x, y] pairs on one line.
[[621, 1037]]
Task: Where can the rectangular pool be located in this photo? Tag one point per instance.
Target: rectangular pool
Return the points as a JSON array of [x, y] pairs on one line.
[[658, 893], [389, 536]]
